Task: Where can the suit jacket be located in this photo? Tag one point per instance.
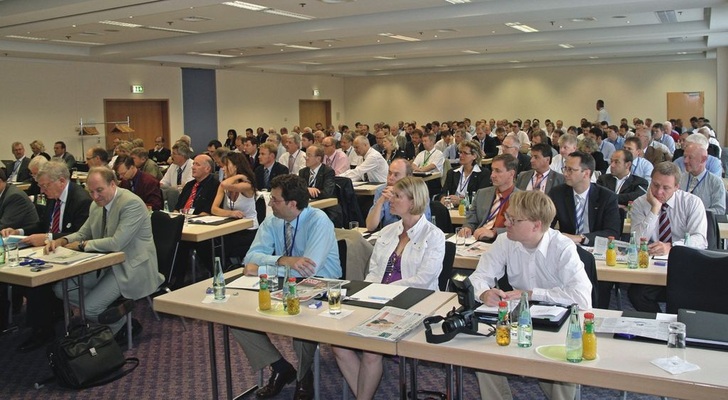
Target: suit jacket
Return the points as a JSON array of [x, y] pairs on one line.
[[395, 154], [632, 188], [604, 219], [16, 209], [152, 169], [276, 169], [67, 158], [129, 230], [160, 156], [490, 148], [326, 183], [552, 179], [206, 192], [74, 216], [409, 150], [480, 208], [524, 163], [147, 188], [478, 180], [255, 163], [23, 171]]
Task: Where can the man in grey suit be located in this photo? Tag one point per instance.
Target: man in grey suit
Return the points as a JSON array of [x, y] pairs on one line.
[[118, 221], [541, 177], [486, 215]]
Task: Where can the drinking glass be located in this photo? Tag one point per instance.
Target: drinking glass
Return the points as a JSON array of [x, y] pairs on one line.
[[354, 225], [334, 295], [11, 254]]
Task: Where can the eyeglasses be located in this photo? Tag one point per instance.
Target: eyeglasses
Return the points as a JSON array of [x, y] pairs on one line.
[[465, 153], [569, 170], [274, 200], [511, 220]]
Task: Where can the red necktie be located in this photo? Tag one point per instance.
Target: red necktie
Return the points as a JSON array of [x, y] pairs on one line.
[[191, 199], [56, 221]]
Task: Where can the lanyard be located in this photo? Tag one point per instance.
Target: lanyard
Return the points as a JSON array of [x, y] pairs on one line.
[[293, 241], [495, 212], [463, 185], [697, 184], [538, 184], [426, 158]]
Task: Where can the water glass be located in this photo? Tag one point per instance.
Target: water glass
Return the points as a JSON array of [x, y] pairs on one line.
[[676, 334], [334, 295], [272, 272], [354, 225], [459, 239], [12, 255]]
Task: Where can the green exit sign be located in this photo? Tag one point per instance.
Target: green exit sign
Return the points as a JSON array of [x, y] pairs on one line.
[[137, 89]]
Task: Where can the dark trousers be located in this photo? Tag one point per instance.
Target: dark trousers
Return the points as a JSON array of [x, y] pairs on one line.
[[646, 297]]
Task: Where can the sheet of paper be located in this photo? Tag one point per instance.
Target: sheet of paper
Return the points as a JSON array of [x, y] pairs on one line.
[[378, 293], [474, 250], [468, 240], [649, 328], [245, 282], [206, 219]]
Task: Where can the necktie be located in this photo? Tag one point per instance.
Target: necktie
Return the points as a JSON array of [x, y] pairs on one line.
[[580, 207], [665, 231], [103, 222], [132, 184], [289, 239], [490, 221], [193, 194], [539, 182], [179, 175], [56, 221], [291, 159], [311, 179], [329, 161], [693, 182], [266, 178], [14, 174]]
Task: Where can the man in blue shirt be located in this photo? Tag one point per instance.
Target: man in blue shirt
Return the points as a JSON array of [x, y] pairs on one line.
[[379, 215], [302, 238]]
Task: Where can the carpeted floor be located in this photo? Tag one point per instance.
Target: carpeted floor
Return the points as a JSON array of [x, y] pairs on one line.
[[175, 365]]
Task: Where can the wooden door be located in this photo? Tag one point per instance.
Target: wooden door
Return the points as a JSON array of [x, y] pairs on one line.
[[312, 111], [148, 118], [685, 105]]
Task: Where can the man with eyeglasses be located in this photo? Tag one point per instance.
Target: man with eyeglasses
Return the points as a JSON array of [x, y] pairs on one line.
[[333, 157], [138, 182], [540, 177], [379, 215], [97, 157], [159, 153], [512, 146], [541, 262], [301, 238], [584, 210]]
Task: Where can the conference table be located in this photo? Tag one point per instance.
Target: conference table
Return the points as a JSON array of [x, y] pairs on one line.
[[621, 364], [197, 233], [366, 189], [722, 228], [240, 311], [23, 276], [323, 203]]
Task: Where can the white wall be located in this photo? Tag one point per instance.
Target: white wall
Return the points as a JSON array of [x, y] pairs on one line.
[[252, 99], [45, 100], [567, 93]]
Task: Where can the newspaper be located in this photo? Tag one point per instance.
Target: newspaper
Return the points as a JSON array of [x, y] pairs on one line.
[[389, 324], [66, 256], [475, 250]]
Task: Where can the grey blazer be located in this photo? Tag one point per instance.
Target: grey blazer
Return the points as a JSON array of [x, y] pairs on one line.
[[128, 229], [480, 207], [552, 179]]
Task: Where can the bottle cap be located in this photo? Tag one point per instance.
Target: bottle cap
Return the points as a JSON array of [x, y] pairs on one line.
[[502, 304], [292, 280], [263, 276], [589, 315], [611, 238]]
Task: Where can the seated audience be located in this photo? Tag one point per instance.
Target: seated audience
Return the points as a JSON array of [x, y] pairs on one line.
[[199, 193], [180, 170], [334, 158], [160, 154], [17, 170], [139, 182], [372, 168], [39, 150], [540, 177], [465, 180], [269, 168], [621, 180], [321, 184], [429, 160], [698, 181], [60, 154]]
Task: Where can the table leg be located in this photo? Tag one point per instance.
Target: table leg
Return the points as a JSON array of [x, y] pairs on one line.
[[450, 382], [66, 304], [193, 263], [402, 377], [228, 368], [413, 377], [82, 308], [461, 388], [213, 362]]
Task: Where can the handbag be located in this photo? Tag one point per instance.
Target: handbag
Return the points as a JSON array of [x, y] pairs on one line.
[[87, 356]]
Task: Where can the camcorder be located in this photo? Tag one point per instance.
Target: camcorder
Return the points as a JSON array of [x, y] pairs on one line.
[[458, 320]]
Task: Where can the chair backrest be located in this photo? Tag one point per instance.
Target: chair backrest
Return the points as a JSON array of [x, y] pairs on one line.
[[167, 232], [696, 280], [445, 168], [342, 256], [260, 209], [590, 266], [713, 234], [348, 201], [442, 216], [443, 281]]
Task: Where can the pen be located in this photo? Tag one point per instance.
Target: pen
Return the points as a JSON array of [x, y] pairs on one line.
[[379, 298]]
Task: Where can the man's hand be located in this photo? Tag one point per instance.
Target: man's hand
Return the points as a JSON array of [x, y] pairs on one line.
[[9, 231], [313, 192], [465, 232], [659, 248], [52, 245], [484, 234], [387, 193], [35, 240], [491, 297], [251, 269], [654, 203], [304, 265]]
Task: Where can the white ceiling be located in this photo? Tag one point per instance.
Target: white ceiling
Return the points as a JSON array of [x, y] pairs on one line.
[[354, 38]]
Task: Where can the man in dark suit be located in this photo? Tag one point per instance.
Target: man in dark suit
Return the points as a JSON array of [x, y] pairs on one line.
[[159, 153], [597, 213], [269, 168], [415, 146], [17, 171], [320, 180], [200, 192], [65, 212], [60, 154], [627, 186], [512, 146], [541, 177], [138, 182], [15, 207], [250, 151], [488, 145]]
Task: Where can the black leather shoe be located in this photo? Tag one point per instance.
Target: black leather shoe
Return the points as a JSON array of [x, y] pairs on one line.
[[37, 339], [117, 310], [276, 383], [136, 330], [304, 388]]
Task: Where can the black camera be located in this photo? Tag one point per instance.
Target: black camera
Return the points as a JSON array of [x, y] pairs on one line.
[[458, 320]]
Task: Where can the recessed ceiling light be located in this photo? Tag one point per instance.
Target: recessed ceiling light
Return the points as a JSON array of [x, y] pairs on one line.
[[583, 19], [470, 52], [331, 40], [682, 53], [447, 30], [24, 37], [310, 63], [458, 1], [245, 6], [90, 34], [521, 27], [196, 18], [122, 24], [211, 54], [161, 28], [283, 13], [514, 61], [384, 58], [76, 42], [400, 37], [566, 46], [593, 57]]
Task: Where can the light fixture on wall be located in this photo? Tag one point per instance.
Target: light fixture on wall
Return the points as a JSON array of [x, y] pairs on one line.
[[316, 93]]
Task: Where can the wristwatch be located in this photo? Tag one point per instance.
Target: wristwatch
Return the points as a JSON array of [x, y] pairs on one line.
[[82, 245], [584, 240]]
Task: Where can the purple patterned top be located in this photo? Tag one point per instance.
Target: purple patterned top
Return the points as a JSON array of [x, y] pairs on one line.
[[393, 272]]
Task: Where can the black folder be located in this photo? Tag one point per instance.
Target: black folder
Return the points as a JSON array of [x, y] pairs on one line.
[[404, 300]]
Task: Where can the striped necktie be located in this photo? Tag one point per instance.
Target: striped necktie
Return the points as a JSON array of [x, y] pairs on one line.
[[580, 207], [56, 222], [665, 231], [490, 222]]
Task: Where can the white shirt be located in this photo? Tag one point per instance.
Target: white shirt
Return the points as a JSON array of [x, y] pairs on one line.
[[558, 163], [603, 115], [522, 137], [710, 189], [435, 157], [354, 159], [299, 161], [373, 165], [421, 259], [607, 149], [170, 177], [686, 213], [553, 271]]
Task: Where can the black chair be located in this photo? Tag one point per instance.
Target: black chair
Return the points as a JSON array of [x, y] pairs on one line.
[[342, 256], [348, 200], [696, 280], [442, 216], [447, 263], [590, 266], [713, 234], [260, 209], [167, 233]]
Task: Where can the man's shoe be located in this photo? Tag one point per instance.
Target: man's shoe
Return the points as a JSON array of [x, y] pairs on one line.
[[37, 339], [304, 388], [276, 383], [136, 330], [116, 311]]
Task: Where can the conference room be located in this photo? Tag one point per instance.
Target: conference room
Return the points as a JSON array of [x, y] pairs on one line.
[[204, 68]]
